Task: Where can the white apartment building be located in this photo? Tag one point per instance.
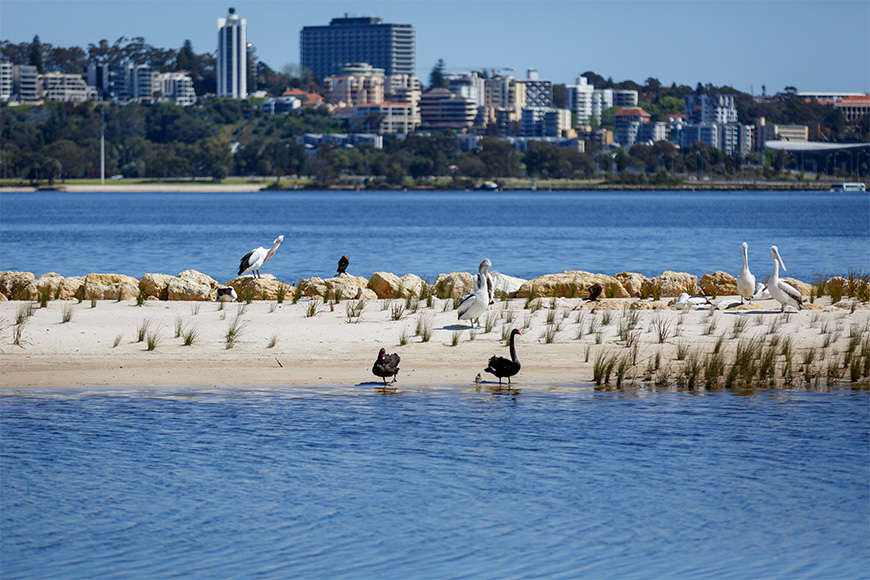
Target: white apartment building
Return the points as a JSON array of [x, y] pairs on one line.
[[393, 118], [25, 83], [545, 122], [358, 84], [580, 99], [65, 88], [177, 87], [469, 85], [538, 93], [5, 81], [711, 109], [441, 109], [232, 57]]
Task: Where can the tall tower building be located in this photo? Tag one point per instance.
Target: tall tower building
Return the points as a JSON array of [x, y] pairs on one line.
[[232, 57], [326, 49]]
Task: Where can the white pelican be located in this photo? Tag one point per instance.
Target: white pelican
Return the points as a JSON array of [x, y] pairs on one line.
[[474, 305], [685, 302], [745, 281], [252, 261], [779, 290], [483, 277]]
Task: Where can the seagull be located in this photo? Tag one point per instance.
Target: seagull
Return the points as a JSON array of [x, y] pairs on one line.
[[342, 264], [253, 260], [761, 292], [474, 305], [386, 365], [779, 290], [503, 367], [745, 281], [483, 277]]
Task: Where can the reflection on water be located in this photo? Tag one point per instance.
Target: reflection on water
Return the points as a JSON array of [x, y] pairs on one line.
[[355, 482]]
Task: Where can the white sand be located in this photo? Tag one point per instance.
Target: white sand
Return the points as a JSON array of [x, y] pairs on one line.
[[327, 350]]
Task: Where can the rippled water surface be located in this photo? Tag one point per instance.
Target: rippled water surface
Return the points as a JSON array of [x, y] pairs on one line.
[[433, 483], [524, 234]]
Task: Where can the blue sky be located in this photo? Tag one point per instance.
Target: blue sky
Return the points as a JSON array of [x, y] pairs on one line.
[[811, 45]]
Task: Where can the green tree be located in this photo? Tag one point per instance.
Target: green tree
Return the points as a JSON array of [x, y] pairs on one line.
[[436, 76], [36, 56]]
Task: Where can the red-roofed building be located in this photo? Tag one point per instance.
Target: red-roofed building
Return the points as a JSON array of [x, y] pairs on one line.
[[308, 99], [853, 107]]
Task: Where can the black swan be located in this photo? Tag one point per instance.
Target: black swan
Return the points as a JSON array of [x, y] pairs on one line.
[[342, 264], [502, 367], [386, 365]]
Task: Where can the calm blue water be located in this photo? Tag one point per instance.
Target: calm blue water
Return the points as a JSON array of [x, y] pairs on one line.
[[434, 484], [525, 234]]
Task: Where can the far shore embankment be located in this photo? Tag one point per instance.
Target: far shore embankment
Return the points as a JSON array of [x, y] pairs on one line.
[[503, 185]]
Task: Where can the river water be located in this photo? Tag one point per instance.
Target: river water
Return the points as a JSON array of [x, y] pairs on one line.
[[524, 234], [434, 483]]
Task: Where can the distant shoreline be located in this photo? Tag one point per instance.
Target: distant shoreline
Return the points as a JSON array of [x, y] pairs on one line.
[[192, 187]]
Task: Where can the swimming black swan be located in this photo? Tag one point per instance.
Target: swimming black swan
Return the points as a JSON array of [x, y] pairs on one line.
[[502, 367], [342, 264], [387, 365]]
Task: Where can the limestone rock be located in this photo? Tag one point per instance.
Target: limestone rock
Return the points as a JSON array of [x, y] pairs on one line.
[[13, 284], [368, 294], [606, 304], [72, 287], [632, 282], [350, 287], [453, 285], [801, 287], [675, 283], [192, 285], [313, 286], [719, 283], [263, 288], [110, 287], [156, 285], [574, 282], [388, 285], [50, 282], [507, 285]]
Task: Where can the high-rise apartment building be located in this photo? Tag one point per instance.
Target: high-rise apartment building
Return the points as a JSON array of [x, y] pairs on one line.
[[326, 49], [232, 57], [5, 80], [711, 109]]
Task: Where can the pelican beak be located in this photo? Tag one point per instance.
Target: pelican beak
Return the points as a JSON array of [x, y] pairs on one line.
[[780, 263]]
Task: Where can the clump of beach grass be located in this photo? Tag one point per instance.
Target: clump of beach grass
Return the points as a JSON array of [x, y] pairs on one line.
[[454, 338], [234, 331], [739, 326], [142, 330], [549, 333], [426, 328], [297, 294], [152, 340], [190, 335], [118, 338], [179, 326], [354, 309], [272, 341], [312, 309], [66, 313], [43, 295], [603, 367], [397, 311], [194, 309], [403, 337], [662, 328]]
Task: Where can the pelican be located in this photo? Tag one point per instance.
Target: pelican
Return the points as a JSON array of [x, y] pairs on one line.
[[779, 290], [685, 302], [761, 292], [745, 281], [483, 277], [474, 305], [256, 258]]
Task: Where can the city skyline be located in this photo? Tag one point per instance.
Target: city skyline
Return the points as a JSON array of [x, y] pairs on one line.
[[748, 44]]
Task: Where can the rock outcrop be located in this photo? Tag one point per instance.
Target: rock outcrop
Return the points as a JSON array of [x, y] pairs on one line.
[[453, 285], [110, 287], [718, 283], [507, 285], [632, 282], [192, 285], [673, 284], [156, 285], [263, 288], [388, 285], [13, 284], [571, 284]]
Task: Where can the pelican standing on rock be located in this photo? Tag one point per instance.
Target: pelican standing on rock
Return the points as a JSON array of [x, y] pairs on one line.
[[474, 305], [779, 290], [253, 260], [484, 278], [745, 281]]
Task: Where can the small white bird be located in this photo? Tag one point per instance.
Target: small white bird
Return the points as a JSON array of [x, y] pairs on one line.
[[745, 281], [761, 292], [779, 290], [253, 260], [474, 305]]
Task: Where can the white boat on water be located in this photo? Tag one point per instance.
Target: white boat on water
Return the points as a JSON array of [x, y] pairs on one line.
[[849, 186]]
